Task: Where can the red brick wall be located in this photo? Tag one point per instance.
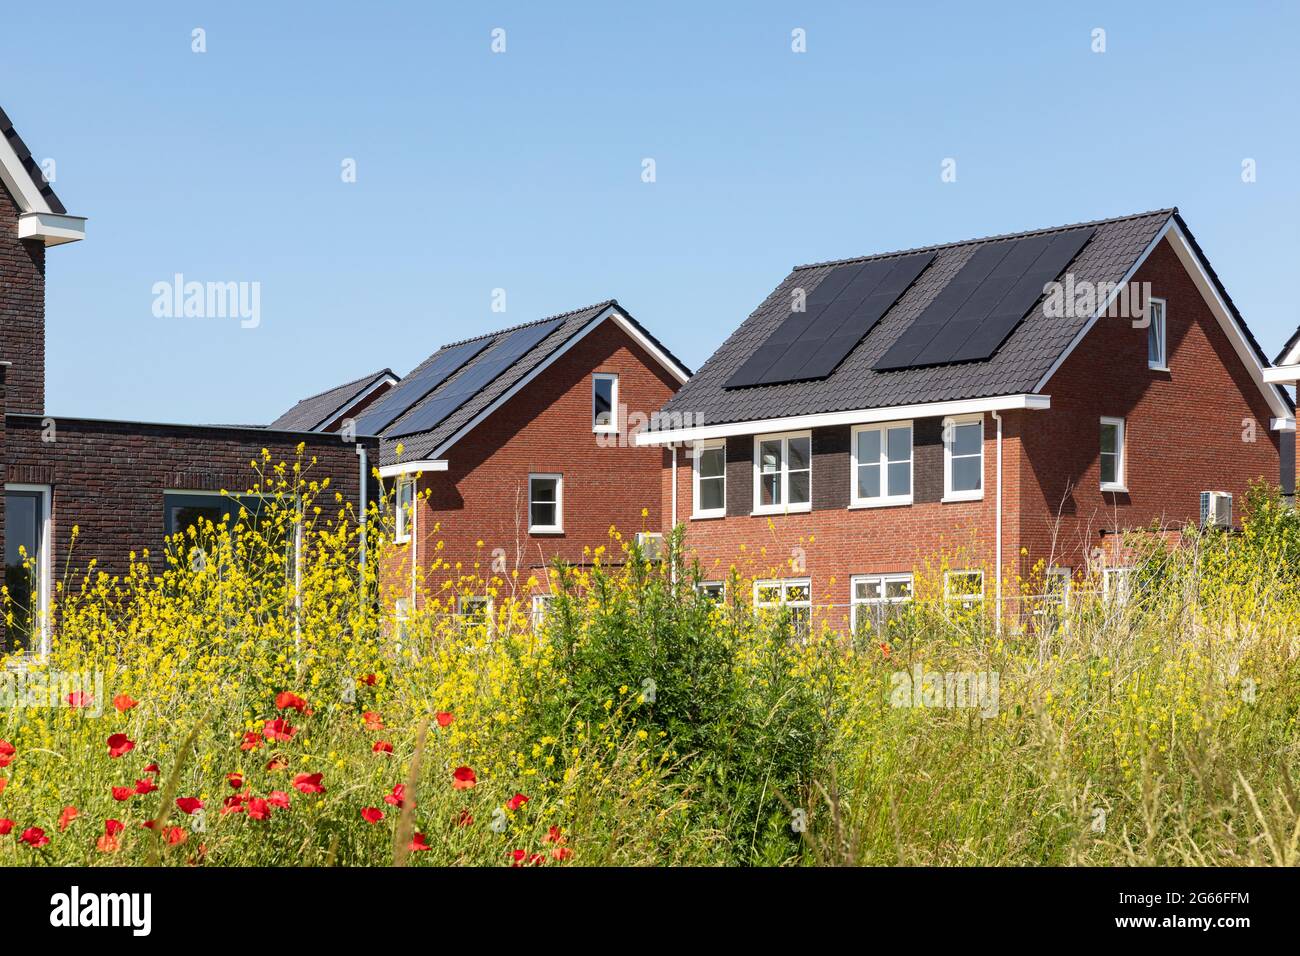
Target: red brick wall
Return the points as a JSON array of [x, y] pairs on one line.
[[22, 311], [547, 428]]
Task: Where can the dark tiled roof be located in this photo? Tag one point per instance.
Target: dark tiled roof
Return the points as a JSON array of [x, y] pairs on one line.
[[421, 445], [315, 410], [29, 164], [1017, 367]]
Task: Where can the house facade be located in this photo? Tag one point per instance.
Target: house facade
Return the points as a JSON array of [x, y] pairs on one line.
[[934, 414], [124, 486], [511, 449]]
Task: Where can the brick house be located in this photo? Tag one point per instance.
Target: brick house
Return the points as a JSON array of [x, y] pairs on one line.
[[124, 485], [514, 447], [873, 412]]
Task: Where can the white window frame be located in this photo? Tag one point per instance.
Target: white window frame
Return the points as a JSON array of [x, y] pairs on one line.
[[884, 499], [713, 590], [950, 425], [882, 582], [1120, 483], [43, 567], [1059, 598], [401, 618], [404, 521], [1117, 595], [784, 507], [786, 585], [1161, 331], [558, 527], [541, 604], [965, 597], [696, 511], [612, 427], [489, 607]]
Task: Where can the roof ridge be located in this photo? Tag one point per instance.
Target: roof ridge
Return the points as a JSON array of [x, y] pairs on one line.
[[1171, 211], [523, 325], [335, 388]]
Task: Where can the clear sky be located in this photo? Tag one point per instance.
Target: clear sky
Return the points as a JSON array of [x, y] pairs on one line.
[[522, 170]]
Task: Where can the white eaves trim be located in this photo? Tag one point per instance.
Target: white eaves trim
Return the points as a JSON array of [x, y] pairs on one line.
[[412, 467], [51, 227], [1192, 263], [610, 312], [1282, 374], [862, 416], [36, 219]]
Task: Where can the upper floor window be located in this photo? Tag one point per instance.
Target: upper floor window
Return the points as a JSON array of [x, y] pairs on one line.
[[545, 504], [1157, 336], [405, 502], [1112, 454], [882, 464], [783, 473], [604, 402], [963, 458], [709, 474]]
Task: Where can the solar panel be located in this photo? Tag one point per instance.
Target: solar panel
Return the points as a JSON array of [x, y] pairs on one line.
[[414, 387], [506, 352], [973, 314], [846, 305]]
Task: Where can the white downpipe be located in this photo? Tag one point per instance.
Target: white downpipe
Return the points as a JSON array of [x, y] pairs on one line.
[[673, 527], [997, 547], [363, 466]]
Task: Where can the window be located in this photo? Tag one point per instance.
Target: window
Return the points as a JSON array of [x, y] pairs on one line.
[[783, 473], [1157, 336], [715, 591], [405, 503], [545, 504], [1116, 585], [876, 599], [541, 609], [183, 510], [964, 588], [604, 402], [1112, 454], [475, 610], [1051, 605], [710, 477], [963, 458], [882, 465], [794, 594], [401, 617], [27, 558]]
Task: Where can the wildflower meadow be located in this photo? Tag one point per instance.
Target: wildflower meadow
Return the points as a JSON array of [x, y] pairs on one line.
[[250, 697]]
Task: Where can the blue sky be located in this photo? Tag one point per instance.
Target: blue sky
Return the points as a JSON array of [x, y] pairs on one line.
[[522, 171]]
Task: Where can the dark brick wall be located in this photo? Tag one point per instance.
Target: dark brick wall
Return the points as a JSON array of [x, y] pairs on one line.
[[22, 311]]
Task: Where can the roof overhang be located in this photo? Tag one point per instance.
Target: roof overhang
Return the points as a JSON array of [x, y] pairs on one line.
[[1282, 374], [861, 416], [37, 219], [341, 413], [412, 467], [52, 228]]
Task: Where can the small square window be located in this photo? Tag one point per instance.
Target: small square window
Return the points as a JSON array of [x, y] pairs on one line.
[[794, 595], [964, 589], [878, 599], [882, 465], [545, 504], [783, 473], [604, 402], [714, 591]]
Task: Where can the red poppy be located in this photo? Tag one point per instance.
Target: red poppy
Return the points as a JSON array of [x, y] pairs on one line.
[[34, 836], [79, 698], [561, 853], [108, 843], [372, 720], [176, 835], [149, 824], [418, 843], [67, 816], [515, 802], [258, 808], [123, 793], [308, 783], [233, 803], [462, 778], [145, 786], [465, 819], [3, 783], [444, 718], [372, 814], [369, 680], [554, 835], [118, 744], [152, 768], [536, 859], [236, 780], [189, 804], [6, 827], [382, 747], [124, 702], [277, 762], [884, 649], [517, 857], [278, 729], [7, 752], [396, 798], [114, 827], [251, 741], [286, 699], [278, 798]]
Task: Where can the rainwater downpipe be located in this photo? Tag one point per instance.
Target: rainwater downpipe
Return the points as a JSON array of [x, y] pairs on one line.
[[997, 546], [673, 570]]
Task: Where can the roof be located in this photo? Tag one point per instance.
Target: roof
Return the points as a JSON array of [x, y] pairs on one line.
[[1287, 356], [29, 165], [320, 409], [573, 325], [1029, 354]]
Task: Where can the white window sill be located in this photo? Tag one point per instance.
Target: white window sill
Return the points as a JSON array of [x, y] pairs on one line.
[[708, 515], [782, 509], [604, 431], [405, 540], [1158, 368], [1119, 489], [545, 529], [899, 502], [962, 496]]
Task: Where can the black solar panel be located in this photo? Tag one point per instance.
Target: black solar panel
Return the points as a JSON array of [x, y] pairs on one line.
[[505, 353], [974, 313], [414, 387], [846, 305]]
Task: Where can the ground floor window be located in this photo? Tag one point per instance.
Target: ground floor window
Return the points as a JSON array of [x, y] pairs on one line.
[[877, 599], [1116, 585], [475, 610], [183, 510], [793, 594], [715, 591], [27, 516], [1052, 604], [964, 589], [541, 609]]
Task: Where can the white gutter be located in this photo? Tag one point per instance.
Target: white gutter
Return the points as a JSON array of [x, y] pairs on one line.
[[860, 416], [413, 467], [1282, 374], [997, 547]]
